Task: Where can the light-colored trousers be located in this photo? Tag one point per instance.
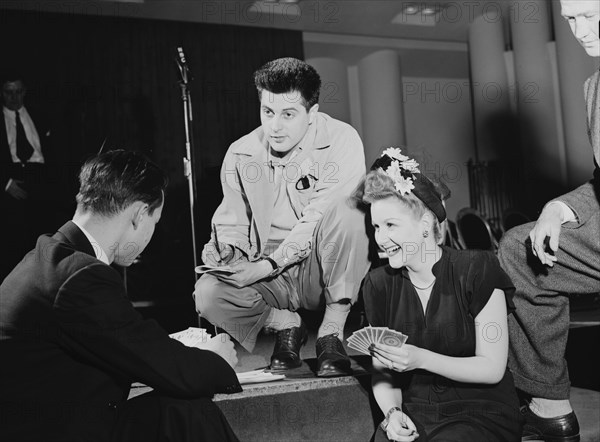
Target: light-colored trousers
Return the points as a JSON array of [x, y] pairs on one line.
[[332, 272]]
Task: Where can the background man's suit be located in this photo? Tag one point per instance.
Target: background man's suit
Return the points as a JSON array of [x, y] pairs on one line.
[[29, 218], [71, 344]]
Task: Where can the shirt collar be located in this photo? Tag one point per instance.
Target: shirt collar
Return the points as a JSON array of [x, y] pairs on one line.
[[98, 250], [282, 162], [11, 113]]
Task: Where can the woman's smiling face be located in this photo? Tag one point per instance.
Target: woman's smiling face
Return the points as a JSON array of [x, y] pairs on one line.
[[398, 231]]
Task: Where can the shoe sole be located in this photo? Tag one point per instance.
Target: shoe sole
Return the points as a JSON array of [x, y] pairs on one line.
[[551, 438], [333, 373], [563, 439], [285, 368]]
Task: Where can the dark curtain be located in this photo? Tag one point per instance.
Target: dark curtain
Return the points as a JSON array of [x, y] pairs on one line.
[[114, 81]]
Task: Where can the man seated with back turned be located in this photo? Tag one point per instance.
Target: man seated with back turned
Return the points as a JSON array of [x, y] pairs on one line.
[[71, 343], [286, 226]]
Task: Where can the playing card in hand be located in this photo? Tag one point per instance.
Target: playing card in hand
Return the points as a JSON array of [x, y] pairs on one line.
[[361, 339], [393, 338]]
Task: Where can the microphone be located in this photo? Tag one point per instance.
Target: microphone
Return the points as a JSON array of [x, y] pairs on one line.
[[182, 65]]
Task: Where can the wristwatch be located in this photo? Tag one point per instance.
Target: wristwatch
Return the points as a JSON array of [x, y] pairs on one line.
[[273, 264], [386, 421]]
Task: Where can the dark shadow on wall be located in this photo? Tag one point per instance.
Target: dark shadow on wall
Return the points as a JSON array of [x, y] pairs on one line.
[[112, 81], [516, 174]]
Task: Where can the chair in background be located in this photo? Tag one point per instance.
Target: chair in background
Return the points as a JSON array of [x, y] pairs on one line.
[[513, 218], [474, 231], [450, 235]]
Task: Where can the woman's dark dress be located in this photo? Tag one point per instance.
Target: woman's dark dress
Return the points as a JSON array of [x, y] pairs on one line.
[[443, 409]]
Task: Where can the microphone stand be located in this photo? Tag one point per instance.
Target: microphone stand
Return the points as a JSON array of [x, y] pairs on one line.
[[188, 159]]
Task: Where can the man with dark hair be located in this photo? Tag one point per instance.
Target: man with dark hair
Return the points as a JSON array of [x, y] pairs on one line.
[[551, 258], [23, 143], [285, 225], [72, 343]]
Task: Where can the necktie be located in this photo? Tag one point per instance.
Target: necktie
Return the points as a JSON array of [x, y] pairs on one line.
[[24, 149]]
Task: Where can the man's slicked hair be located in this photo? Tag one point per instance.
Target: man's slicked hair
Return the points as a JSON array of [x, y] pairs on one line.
[[112, 181], [287, 75]]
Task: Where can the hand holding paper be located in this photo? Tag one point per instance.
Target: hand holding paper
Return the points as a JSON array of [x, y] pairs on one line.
[[199, 338]]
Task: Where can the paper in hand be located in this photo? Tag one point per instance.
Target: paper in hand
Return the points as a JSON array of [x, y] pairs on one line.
[[212, 269], [192, 336], [258, 376], [363, 338]]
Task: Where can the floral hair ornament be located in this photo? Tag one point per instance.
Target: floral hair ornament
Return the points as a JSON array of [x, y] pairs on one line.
[[408, 179], [401, 170]]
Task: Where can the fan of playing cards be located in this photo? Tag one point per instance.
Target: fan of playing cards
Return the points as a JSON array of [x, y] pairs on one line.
[[363, 338]]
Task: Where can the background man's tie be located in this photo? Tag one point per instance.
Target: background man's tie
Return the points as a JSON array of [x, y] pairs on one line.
[[24, 149]]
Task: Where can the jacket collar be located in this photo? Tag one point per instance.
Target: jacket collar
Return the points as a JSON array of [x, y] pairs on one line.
[[316, 138], [72, 234]]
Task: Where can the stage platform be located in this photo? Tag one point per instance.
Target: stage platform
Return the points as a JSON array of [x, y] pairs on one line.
[[303, 407]]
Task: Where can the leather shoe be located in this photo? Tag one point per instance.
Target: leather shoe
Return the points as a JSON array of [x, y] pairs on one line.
[[286, 353], [553, 429], [331, 357]]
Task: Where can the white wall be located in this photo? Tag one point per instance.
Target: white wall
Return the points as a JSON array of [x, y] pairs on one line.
[[435, 98], [439, 129]]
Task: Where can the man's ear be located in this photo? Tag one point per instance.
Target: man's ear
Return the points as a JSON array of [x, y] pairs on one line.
[[139, 210], [312, 113]]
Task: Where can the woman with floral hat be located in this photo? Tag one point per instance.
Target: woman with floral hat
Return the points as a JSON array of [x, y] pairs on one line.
[[449, 381]]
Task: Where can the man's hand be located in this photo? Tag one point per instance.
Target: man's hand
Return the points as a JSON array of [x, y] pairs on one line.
[[16, 191], [223, 346], [247, 273], [548, 226]]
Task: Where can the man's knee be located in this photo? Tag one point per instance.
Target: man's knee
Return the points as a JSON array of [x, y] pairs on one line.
[[207, 296], [343, 216], [511, 248]]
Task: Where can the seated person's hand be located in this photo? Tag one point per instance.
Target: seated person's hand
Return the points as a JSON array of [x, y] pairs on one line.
[[546, 233], [377, 364], [405, 358], [16, 190], [247, 273], [228, 254], [223, 346], [400, 427]]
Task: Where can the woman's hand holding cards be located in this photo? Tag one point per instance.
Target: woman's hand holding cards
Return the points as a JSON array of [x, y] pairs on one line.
[[404, 358]]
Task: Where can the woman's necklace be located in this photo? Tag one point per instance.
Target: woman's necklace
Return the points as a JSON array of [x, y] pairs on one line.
[[423, 288]]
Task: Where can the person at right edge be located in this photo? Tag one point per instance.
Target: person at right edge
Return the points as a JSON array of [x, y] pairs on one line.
[[548, 259]]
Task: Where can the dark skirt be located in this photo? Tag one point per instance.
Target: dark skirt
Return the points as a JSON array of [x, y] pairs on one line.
[[462, 420]]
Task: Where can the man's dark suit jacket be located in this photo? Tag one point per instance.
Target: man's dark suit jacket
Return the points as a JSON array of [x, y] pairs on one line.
[[71, 344], [7, 168], [29, 218]]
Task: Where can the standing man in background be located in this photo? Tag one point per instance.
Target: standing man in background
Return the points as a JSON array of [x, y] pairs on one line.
[[23, 174], [551, 258]]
